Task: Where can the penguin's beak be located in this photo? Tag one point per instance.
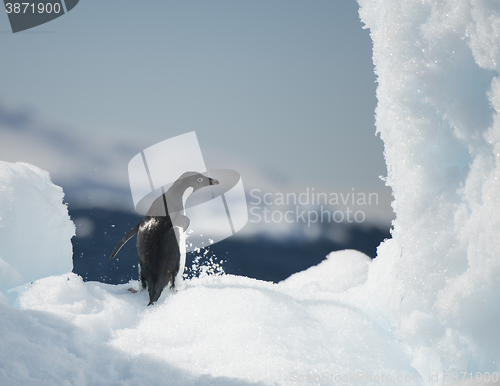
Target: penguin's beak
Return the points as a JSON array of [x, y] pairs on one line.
[[213, 181]]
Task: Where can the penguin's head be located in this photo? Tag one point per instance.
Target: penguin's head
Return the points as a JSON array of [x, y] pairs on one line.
[[196, 180]]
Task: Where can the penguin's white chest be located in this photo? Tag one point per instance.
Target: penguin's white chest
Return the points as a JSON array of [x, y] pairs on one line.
[[181, 238], [180, 235]]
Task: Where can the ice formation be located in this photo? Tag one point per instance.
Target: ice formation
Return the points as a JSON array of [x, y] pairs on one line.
[[438, 115], [35, 229]]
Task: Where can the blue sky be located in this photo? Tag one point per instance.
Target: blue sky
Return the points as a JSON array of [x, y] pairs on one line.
[[283, 88]]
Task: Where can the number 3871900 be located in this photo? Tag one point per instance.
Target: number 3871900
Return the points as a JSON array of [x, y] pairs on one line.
[[31, 8]]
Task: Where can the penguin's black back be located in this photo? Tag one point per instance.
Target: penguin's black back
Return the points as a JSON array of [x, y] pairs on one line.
[[159, 254]]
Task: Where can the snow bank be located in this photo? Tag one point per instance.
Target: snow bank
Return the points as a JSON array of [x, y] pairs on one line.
[[35, 229], [217, 329], [438, 115]]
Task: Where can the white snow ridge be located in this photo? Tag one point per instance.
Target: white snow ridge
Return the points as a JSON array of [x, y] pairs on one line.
[[425, 311]]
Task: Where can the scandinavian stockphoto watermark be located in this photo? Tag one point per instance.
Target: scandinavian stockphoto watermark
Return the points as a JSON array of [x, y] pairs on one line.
[[364, 377], [356, 377], [310, 206], [361, 377]]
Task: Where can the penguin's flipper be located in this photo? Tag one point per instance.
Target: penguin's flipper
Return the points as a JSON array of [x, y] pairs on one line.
[[127, 237], [182, 222]]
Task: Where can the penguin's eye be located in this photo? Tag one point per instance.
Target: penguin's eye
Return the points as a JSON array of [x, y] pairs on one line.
[[200, 179]]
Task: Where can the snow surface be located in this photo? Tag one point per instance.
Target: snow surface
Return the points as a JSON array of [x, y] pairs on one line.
[[428, 305], [216, 329]]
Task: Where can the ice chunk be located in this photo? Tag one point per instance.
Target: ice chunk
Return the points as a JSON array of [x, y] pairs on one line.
[[35, 228]]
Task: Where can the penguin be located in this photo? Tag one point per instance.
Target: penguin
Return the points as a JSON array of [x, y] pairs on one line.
[[161, 241]]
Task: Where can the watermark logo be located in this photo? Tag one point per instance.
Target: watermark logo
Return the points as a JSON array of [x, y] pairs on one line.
[[361, 377], [310, 207], [24, 15], [175, 166]]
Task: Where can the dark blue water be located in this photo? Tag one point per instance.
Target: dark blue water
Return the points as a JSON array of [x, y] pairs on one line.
[[260, 257]]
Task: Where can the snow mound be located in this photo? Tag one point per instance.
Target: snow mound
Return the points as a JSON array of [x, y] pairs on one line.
[[35, 228], [340, 271], [218, 327]]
